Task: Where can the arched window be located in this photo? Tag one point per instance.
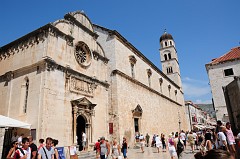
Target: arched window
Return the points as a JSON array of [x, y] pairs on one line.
[[165, 57], [165, 43], [26, 95], [169, 56]]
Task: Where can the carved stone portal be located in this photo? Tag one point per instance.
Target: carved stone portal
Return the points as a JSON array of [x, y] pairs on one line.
[[84, 108]]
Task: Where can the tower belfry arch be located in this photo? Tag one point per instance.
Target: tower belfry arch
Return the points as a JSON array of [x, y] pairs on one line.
[[82, 112]]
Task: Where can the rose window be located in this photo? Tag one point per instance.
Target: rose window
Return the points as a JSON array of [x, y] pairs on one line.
[[82, 54]]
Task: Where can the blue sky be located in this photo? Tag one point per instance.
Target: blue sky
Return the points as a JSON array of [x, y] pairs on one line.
[[202, 30]]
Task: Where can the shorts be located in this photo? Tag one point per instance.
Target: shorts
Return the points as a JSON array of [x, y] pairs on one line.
[[172, 151], [84, 143], [231, 143], [142, 143], [159, 145]]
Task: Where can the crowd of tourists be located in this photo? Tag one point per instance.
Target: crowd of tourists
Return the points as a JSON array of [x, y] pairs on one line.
[[24, 148], [205, 144]]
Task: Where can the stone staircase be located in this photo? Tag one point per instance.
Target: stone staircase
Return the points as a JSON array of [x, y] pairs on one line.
[[87, 155]]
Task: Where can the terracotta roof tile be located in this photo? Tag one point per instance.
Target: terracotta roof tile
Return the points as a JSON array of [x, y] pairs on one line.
[[234, 53]]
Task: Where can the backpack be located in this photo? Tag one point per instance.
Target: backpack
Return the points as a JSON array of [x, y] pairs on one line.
[[180, 146]]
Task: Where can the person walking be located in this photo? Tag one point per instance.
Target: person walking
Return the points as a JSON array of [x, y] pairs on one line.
[[25, 151], [41, 143], [230, 138], [147, 139], [33, 148], [171, 147], [97, 148], [179, 146], [141, 138], [124, 147], [115, 150], [12, 151], [104, 148], [183, 138], [191, 141], [54, 144], [163, 143], [221, 139], [84, 141], [158, 143], [46, 152]]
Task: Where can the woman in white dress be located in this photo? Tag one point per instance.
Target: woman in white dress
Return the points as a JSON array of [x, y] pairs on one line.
[[116, 149], [158, 142], [171, 147]]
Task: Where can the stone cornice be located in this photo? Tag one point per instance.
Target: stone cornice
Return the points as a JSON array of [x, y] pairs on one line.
[[97, 56], [114, 72], [137, 52], [49, 65], [32, 38], [72, 19]]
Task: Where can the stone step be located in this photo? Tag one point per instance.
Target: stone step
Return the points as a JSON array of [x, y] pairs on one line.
[[87, 155]]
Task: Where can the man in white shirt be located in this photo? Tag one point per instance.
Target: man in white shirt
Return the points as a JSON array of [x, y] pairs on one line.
[[14, 137], [141, 138], [221, 139], [19, 140], [195, 139], [183, 138], [84, 141]]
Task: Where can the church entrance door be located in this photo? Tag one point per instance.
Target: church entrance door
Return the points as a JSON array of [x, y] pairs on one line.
[[81, 127]]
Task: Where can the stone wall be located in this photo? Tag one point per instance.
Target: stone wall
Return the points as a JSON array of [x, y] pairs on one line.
[[217, 81]]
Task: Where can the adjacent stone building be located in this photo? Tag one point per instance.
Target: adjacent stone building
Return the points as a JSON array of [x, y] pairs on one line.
[[221, 71], [72, 76]]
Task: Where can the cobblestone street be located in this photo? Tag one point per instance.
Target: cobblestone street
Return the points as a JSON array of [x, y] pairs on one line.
[[151, 153]]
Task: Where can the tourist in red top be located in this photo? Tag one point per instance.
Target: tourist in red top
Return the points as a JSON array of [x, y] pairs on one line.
[[25, 151], [97, 148]]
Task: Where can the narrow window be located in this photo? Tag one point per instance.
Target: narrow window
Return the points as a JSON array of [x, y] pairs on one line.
[[149, 81], [165, 57], [169, 56], [165, 43], [170, 42], [26, 96], [132, 70], [228, 72], [169, 70]]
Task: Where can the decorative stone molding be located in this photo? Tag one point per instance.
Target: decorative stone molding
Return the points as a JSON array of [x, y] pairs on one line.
[[132, 59], [149, 72], [9, 76], [175, 92], [169, 87], [98, 56], [137, 111], [160, 81], [82, 87]]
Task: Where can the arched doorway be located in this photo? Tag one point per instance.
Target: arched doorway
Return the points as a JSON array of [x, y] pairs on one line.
[[81, 127]]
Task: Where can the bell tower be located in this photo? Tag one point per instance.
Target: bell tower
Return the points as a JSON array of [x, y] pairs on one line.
[[169, 59]]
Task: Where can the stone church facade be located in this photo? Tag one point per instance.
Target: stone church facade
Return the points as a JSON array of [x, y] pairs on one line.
[[72, 76]]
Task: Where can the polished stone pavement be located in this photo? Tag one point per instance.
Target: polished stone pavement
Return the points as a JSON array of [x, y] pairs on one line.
[[151, 153]]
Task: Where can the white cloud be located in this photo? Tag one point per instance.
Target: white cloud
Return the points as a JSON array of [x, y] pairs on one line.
[[195, 90], [199, 101]]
